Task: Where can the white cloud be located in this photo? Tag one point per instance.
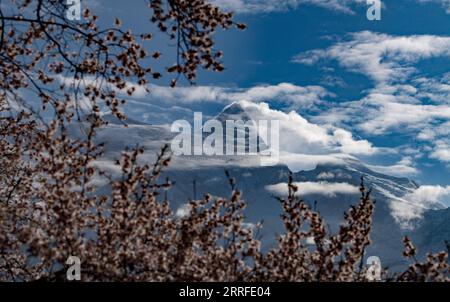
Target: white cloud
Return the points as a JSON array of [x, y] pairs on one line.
[[326, 175], [393, 109], [299, 136], [167, 101], [411, 207], [306, 162], [404, 168], [304, 145], [384, 113], [387, 114], [165, 104], [289, 94], [258, 6], [328, 189], [441, 151], [402, 100], [351, 146], [382, 57], [429, 196]]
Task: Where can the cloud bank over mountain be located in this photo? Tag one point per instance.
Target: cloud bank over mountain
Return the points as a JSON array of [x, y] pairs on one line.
[[410, 208], [318, 188]]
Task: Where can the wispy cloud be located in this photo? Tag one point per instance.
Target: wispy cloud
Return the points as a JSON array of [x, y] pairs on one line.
[[441, 150], [289, 95], [402, 100], [404, 168], [343, 6], [382, 57], [258, 6], [444, 3]]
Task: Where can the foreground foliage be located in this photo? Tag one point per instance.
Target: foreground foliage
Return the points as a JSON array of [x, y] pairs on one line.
[[49, 207]]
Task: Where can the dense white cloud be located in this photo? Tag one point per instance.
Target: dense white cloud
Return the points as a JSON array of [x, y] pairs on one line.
[[305, 162], [303, 137], [304, 145], [429, 196], [328, 189], [351, 146], [410, 208]]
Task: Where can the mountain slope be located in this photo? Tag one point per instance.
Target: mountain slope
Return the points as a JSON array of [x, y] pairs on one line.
[[254, 181]]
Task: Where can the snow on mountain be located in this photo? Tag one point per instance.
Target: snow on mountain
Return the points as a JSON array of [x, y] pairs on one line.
[[329, 185]]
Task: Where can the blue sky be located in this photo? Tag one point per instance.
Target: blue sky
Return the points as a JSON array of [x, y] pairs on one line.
[[387, 82]]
